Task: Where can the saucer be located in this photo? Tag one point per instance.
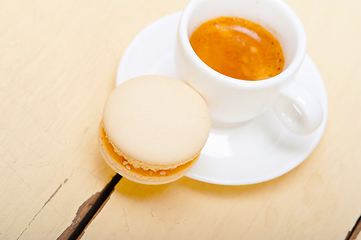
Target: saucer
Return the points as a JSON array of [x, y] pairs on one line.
[[235, 154]]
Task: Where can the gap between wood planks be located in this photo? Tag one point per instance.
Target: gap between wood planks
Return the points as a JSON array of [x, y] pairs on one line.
[[91, 207], [88, 210], [352, 235]]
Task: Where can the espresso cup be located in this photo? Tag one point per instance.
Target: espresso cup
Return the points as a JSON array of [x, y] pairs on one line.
[[232, 100]]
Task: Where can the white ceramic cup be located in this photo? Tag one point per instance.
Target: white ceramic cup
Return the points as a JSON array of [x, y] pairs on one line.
[[231, 100]]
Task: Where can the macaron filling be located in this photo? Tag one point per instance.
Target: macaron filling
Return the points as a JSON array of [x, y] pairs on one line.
[[145, 169]]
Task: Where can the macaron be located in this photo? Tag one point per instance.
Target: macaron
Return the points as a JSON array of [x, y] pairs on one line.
[[153, 129]]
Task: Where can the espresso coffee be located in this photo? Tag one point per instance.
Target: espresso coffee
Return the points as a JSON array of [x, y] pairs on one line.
[[238, 48]]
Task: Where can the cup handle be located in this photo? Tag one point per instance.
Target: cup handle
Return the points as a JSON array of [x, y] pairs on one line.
[[298, 109]]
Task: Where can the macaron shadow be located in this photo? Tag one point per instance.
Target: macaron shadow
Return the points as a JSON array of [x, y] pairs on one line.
[[140, 192]]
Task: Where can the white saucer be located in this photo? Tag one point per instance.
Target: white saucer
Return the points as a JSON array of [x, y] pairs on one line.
[[239, 154]]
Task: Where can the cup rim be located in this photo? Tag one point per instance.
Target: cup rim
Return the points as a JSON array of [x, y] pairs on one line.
[[288, 73]]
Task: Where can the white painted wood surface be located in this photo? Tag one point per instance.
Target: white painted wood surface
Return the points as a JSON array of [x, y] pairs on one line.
[[58, 61], [320, 199]]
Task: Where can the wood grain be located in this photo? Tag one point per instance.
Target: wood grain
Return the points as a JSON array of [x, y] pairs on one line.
[[317, 200], [58, 64], [57, 67]]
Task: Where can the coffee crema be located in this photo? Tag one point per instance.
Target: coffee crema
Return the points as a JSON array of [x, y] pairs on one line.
[[238, 48]]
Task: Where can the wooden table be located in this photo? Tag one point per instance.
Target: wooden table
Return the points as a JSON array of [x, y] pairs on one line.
[[58, 61]]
